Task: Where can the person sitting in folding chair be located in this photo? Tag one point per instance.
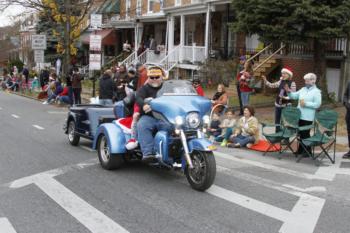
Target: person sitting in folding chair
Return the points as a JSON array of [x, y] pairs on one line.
[[310, 100]]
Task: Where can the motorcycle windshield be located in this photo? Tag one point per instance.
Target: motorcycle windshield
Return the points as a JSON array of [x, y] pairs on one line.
[[177, 88], [178, 98]]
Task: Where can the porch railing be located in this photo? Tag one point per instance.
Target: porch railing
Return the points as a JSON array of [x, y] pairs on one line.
[[171, 60], [193, 54], [129, 60]]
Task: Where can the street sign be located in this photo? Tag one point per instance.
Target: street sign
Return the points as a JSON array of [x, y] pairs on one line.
[[39, 42], [95, 20], [95, 62], [39, 56], [95, 42]]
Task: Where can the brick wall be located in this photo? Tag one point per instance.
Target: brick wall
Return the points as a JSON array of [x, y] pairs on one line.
[[186, 2], [122, 9], [144, 7], [132, 12], [300, 67], [169, 3]]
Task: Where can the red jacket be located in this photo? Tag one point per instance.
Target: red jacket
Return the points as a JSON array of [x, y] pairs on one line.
[[199, 90], [243, 86], [64, 92]]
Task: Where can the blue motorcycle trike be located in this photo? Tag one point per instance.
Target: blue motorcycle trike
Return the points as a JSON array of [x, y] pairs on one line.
[[186, 146]]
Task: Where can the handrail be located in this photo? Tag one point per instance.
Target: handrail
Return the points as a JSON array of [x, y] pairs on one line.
[[269, 57], [260, 52], [167, 56], [131, 57]]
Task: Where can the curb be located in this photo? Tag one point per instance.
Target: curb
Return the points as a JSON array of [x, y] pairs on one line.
[[26, 96]]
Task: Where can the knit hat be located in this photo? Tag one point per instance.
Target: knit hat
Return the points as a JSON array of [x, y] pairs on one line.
[[288, 71]]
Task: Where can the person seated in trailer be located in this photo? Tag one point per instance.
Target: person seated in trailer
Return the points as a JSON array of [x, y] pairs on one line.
[[227, 126], [148, 125], [247, 130]]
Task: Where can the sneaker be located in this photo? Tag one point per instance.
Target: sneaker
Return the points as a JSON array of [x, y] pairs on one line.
[[131, 144], [45, 102], [234, 145], [224, 143], [249, 145], [346, 155]]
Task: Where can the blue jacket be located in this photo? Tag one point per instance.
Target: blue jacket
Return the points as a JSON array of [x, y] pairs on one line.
[[313, 99]]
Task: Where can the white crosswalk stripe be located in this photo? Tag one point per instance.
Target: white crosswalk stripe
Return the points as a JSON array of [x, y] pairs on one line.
[[6, 226]]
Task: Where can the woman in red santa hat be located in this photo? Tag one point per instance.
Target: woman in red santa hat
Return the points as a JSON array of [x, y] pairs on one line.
[[282, 99]]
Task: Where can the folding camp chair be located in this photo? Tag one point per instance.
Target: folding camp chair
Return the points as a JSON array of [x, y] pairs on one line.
[[288, 131], [325, 136]]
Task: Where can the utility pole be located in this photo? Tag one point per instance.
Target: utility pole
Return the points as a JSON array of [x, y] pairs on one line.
[[67, 30]]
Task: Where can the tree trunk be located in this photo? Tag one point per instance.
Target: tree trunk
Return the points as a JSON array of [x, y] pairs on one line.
[[67, 29], [320, 67]]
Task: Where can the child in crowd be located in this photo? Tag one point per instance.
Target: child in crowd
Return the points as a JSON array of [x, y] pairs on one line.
[[214, 128], [227, 127]]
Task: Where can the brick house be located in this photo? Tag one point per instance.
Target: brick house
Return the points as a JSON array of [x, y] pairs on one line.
[[188, 32]]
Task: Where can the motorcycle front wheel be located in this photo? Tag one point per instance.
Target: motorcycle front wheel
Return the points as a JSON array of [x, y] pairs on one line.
[[202, 176]]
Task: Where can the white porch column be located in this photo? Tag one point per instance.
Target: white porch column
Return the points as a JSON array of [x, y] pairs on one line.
[[182, 36], [136, 41], [207, 24], [171, 33]]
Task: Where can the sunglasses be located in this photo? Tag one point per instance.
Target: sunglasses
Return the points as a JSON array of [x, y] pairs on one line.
[[155, 77]]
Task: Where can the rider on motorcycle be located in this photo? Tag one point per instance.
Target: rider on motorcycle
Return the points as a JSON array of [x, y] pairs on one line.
[[148, 125]]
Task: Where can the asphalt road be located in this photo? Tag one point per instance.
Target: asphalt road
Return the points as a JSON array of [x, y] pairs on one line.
[[46, 185]]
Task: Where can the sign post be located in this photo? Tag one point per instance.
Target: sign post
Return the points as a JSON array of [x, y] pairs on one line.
[[95, 46], [39, 42]]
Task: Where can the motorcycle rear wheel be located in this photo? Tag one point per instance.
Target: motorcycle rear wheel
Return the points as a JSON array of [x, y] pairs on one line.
[[202, 176]]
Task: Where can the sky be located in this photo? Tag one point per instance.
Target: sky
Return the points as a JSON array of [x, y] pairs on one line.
[[5, 18]]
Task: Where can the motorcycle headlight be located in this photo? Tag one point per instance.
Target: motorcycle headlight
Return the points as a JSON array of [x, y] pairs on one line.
[[179, 121], [206, 120], [193, 120]]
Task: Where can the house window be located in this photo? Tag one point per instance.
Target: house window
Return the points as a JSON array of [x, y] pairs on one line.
[[177, 2], [127, 6], [150, 6], [138, 8]]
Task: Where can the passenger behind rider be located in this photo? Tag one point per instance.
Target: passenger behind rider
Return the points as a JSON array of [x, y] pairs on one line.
[[227, 126], [148, 125]]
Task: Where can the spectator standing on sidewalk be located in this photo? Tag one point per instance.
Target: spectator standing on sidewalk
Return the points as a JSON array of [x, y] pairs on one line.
[[107, 89], [76, 86], [310, 99], [242, 60], [346, 102], [282, 99], [245, 78]]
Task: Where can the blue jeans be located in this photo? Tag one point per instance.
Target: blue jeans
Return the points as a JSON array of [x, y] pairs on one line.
[[51, 97], [245, 98], [226, 136], [106, 102], [146, 128], [65, 99], [243, 140]]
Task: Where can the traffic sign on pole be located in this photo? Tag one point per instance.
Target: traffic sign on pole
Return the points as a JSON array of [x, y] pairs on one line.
[[95, 62], [95, 20], [39, 56], [95, 42], [39, 42]]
